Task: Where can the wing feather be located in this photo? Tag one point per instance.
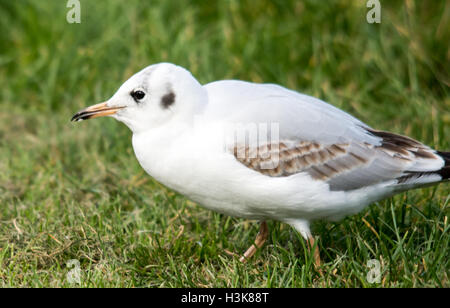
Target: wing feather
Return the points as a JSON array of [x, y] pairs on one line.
[[317, 138], [342, 166]]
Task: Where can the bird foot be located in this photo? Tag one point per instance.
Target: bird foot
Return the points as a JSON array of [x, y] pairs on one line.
[[259, 241], [317, 261]]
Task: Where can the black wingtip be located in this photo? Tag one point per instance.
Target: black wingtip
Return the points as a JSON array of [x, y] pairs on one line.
[[445, 156], [445, 171]]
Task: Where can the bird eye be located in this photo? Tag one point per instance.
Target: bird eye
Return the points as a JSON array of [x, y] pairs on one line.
[[137, 95]]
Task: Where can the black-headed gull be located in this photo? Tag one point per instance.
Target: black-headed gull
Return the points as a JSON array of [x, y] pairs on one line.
[[261, 151]]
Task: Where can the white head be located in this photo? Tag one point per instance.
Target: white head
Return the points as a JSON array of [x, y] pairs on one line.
[[155, 96]]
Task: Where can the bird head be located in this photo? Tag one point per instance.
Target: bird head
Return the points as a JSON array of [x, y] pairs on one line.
[[157, 95]]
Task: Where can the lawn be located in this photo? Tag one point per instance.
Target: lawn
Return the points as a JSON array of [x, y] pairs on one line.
[[76, 191]]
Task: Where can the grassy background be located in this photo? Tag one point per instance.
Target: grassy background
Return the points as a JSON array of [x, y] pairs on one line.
[[76, 191]]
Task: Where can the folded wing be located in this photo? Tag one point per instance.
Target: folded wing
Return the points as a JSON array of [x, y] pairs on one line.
[[319, 139]]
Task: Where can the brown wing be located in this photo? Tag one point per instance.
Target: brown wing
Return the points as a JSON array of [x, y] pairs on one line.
[[344, 166]]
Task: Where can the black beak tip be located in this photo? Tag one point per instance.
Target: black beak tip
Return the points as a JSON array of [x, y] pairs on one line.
[[78, 117], [74, 118]]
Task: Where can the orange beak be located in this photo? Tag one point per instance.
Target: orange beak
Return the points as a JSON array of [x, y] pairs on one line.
[[95, 111]]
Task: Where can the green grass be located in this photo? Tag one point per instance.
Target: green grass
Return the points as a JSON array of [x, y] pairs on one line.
[[76, 191]]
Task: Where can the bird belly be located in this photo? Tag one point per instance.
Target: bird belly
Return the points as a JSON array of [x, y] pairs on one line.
[[221, 184]]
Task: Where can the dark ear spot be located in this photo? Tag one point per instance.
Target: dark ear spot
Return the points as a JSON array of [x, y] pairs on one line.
[[168, 100]]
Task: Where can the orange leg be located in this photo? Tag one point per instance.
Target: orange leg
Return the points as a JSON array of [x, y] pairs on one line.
[[259, 241], [311, 242]]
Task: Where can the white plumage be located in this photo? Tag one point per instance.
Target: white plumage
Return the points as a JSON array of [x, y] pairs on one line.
[[328, 164]]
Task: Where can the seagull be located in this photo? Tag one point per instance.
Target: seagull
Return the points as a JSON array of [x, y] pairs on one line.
[[262, 151]]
